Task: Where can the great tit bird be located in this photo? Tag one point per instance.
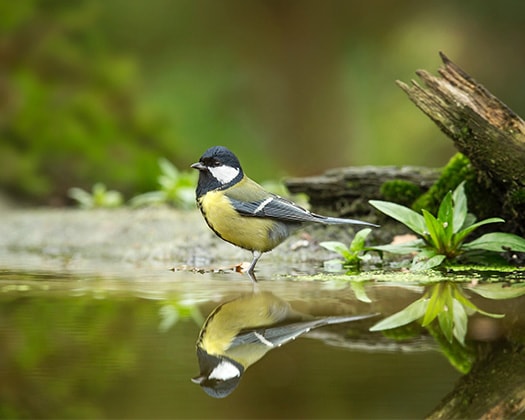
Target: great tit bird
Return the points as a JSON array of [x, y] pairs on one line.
[[240, 332], [242, 212]]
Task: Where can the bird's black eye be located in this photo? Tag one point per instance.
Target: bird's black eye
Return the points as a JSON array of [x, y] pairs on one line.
[[211, 162]]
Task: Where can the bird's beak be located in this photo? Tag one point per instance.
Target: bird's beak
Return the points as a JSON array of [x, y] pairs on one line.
[[199, 166], [198, 379]]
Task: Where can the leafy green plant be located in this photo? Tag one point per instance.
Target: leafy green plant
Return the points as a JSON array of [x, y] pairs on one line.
[[353, 254], [443, 237], [99, 197], [176, 188]]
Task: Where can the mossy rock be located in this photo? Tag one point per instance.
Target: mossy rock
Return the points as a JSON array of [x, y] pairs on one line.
[[485, 196], [457, 170], [400, 191]]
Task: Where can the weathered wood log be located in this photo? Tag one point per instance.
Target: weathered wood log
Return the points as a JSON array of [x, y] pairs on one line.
[[484, 129], [346, 191]]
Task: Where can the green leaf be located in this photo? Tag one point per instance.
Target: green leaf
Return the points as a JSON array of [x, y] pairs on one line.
[[461, 235], [427, 253], [411, 313], [168, 169], [446, 219], [499, 291], [358, 243], [404, 248], [436, 231], [402, 214], [333, 266], [421, 265], [490, 314], [460, 207], [446, 318], [495, 242], [470, 219], [81, 196], [458, 295], [358, 288], [470, 307], [338, 247], [446, 211], [460, 321], [436, 303], [152, 197]]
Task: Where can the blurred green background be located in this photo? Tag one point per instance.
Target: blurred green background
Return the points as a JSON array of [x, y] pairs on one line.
[[97, 90]]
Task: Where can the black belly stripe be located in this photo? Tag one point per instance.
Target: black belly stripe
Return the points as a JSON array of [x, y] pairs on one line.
[[210, 225]]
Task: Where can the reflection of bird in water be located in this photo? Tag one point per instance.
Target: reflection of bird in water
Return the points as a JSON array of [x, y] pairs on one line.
[[240, 332]]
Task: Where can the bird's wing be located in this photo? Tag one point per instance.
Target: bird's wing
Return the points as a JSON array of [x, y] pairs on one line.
[[278, 335], [272, 336], [255, 201], [274, 207]]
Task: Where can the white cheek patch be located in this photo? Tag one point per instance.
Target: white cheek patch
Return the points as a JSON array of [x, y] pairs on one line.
[[224, 174], [224, 371]]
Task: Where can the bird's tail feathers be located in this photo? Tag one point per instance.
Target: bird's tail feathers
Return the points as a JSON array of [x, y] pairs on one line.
[[340, 221], [349, 318], [331, 320]]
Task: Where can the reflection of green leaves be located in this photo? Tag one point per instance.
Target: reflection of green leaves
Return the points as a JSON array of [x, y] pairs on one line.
[[411, 313], [436, 304], [460, 356], [358, 287], [171, 313], [499, 290], [460, 321], [444, 301], [443, 236], [352, 255]]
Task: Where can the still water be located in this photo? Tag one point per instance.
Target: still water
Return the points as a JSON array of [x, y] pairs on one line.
[[123, 346]]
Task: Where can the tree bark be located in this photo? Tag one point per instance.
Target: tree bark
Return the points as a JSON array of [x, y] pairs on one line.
[[485, 130], [482, 127], [346, 191]]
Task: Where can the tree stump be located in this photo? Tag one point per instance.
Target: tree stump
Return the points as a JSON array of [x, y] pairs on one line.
[[484, 129]]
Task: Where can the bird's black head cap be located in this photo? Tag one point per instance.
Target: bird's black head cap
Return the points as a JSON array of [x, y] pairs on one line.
[[218, 168], [220, 155], [215, 387]]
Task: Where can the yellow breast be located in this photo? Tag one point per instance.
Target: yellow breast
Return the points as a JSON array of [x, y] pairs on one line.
[[252, 233]]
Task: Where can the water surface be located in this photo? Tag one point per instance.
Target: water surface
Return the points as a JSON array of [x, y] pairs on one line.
[[123, 346]]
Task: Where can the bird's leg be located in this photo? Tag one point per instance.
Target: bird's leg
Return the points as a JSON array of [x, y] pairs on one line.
[[254, 282], [256, 256]]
